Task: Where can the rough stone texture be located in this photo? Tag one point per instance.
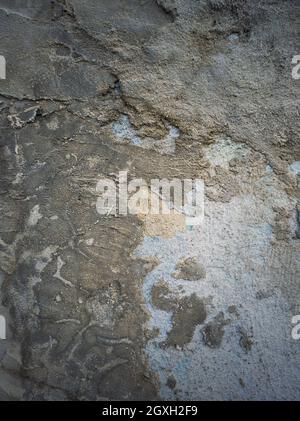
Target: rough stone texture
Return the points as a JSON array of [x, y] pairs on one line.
[[182, 88], [189, 269]]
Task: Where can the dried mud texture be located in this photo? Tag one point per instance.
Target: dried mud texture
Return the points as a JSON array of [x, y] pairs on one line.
[[161, 89], [189, 313], [189, 269]]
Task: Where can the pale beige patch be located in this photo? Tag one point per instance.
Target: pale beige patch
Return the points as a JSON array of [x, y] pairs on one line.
[[164, 225]]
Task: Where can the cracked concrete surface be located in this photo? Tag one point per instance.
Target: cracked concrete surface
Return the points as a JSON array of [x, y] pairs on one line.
[[104, 307]]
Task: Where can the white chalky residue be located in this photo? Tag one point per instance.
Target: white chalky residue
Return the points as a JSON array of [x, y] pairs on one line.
[[41, 261], [53, 124], [18, 179], [295, 167], [2, 327], [124, 131], [233, 37], [2, 67], [57, 275], [34, 216], [239, 261], [269, 169], [43, 258], [221, 152], [173, 134]]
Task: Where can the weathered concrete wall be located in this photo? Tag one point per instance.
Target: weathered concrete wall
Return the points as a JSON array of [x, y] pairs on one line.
[[135, 307]]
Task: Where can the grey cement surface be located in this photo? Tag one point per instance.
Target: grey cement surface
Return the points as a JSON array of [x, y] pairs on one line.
[[142, 307]]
